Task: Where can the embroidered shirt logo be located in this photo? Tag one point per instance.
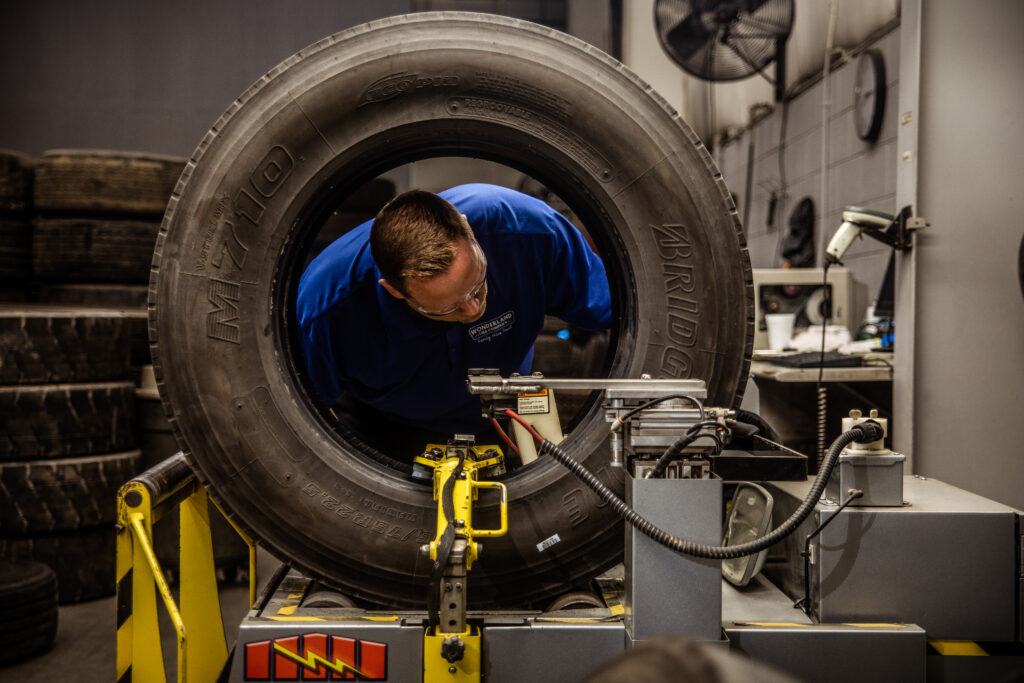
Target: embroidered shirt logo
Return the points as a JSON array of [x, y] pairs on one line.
[[486, 331]]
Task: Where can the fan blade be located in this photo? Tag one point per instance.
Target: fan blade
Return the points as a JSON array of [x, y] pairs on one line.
[[776, 30], [755, 5], [756, 36], [757, 68], [723, 39], [689, 36]]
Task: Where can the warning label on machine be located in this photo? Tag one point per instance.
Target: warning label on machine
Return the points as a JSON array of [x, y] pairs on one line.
[[533, 404]]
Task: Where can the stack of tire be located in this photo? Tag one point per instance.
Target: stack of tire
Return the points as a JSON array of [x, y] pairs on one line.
[[68, 432], [28, 609], [15, 224], [97, 214], [28, 590]]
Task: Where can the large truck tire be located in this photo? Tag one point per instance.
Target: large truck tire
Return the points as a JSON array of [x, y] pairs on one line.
[[65, 420], [93, 249], [15, 249], [317, 127], [28, 609], [84, 560], [95, 295], [60, 495], [15, 181], [42, 344], [15, 219], [88, 180]]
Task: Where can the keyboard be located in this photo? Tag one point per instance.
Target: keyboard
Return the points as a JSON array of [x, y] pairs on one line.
[[813, 359]]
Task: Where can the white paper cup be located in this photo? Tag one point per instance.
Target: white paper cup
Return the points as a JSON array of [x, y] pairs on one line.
[[780, 329]]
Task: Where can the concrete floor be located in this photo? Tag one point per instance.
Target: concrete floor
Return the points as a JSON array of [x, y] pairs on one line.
[[85, 649]]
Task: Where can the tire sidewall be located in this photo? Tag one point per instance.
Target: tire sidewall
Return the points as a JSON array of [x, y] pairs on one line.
[[334, 116]]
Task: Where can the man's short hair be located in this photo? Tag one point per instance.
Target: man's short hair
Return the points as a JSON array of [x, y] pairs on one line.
[[414, 237]]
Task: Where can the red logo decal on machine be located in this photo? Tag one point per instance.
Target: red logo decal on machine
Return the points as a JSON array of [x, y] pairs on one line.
[[317, 657]]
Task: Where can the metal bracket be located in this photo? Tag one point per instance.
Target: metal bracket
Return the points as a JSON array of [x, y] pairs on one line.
[[490, 381], [670, 406], [900, 233]]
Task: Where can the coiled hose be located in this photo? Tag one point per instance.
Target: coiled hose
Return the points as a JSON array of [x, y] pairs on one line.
[[819, 446], [864, 432], [819, 451]]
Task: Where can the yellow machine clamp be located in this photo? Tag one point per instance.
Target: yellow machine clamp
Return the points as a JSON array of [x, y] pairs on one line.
[[451, 646], [202, 650]]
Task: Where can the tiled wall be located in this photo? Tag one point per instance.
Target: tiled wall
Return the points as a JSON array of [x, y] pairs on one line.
[[860, 173]]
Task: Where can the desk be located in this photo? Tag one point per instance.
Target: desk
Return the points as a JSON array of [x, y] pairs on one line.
[[788, 398], [765, 369]]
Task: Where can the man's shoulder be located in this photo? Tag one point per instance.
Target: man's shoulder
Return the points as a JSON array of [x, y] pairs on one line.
[[470, 194], [342, 277], [355, 307], [495, 210], [490, 198]]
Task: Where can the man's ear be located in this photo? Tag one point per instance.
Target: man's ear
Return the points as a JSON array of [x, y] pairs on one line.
[[391, 290]]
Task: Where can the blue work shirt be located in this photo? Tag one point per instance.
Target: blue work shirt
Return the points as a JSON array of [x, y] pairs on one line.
[[361, 341]]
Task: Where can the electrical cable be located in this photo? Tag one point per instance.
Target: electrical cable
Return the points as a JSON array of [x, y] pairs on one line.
[[827, 305], [805, 602], [820, 389], [879, 363], [504, 437], [822, 435], [784, 118], [692, 434], [863, 432], [526, 425], [616, 426], [670, 453]]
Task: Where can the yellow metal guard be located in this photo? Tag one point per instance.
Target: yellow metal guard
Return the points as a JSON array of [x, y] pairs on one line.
[[202, 649]]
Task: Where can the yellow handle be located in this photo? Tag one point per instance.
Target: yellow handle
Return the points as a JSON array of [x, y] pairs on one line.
[[503, 529]]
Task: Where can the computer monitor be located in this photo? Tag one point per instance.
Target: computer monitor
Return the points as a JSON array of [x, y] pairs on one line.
[[885, 303], [801, 291]]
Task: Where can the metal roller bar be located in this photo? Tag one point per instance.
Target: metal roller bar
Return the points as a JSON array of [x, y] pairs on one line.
[[168, 483], [487, 382]]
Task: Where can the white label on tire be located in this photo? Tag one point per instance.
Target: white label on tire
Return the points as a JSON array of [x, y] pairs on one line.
[[533, 404], [547, 543]]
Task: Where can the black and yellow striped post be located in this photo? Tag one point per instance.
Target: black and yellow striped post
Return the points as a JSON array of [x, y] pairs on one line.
[[202, 649], [138, 636]]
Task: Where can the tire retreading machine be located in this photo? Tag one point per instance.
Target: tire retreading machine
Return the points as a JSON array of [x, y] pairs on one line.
[[881, 601]]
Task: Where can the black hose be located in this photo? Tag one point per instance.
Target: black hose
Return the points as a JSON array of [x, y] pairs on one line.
[[864, 432], [670, 453], [617, 425], [692, 434]]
